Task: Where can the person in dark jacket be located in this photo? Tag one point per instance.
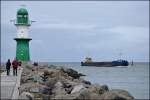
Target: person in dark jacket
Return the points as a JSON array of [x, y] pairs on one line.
[[15, 66], [8, 64]]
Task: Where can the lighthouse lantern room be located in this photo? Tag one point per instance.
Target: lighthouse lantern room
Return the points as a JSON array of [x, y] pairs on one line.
[[22, 23]]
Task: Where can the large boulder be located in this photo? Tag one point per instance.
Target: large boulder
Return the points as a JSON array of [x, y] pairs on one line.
[[26, 78], [82, 95], [41, 89], [59, 89], [72, 73], [77, 88], [35, 90], [31, 78], [105, 87], [86, 82], [51, 82], [26, 96], [117, 94], [59, 85], [45, 90], [41, 96], [56, 73], [97, 89], [26, 87], [47, 97], [45, 76], [85, 94]]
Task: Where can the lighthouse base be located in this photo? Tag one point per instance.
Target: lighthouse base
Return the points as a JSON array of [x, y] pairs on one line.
[[22, 49]]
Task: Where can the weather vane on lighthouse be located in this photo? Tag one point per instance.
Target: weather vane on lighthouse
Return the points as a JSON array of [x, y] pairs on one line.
[[22, 23]]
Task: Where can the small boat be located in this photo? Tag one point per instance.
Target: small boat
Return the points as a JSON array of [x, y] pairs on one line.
[[88, 62]]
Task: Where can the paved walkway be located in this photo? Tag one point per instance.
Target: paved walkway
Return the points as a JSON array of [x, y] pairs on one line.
[[10, 84]]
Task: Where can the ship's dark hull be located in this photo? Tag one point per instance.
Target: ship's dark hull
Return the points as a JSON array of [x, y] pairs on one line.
[[104, 64]]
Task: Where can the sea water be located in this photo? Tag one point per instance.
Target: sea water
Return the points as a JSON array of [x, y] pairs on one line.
[[134, 79]]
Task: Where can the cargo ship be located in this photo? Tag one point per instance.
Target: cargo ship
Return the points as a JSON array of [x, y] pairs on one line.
[[88, 62]]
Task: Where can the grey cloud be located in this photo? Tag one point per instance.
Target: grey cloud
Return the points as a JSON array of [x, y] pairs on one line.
[[66, 31]]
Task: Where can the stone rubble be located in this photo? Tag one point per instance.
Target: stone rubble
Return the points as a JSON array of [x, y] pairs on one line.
[[46, 82]]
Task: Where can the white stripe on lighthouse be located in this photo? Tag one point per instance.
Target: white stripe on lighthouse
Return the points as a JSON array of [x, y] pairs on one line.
[[22, 31]]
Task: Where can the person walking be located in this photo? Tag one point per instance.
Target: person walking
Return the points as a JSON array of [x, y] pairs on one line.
[[15, 66], [8, 64]]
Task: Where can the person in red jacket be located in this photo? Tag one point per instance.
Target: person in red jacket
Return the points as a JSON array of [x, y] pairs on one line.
[[15, 66]]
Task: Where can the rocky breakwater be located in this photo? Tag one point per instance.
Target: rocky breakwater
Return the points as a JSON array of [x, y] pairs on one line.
[[46, 82]]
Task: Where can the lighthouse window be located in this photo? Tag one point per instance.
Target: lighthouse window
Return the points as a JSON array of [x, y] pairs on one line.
[[25, 15], [19, 15]]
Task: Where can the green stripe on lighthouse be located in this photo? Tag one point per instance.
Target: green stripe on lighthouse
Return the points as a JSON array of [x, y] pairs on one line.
[[22, 49]]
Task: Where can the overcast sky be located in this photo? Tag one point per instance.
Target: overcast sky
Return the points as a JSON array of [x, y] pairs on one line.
[[66, 31]]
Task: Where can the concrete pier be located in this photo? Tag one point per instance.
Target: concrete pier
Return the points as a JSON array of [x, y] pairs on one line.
[[10, 85]]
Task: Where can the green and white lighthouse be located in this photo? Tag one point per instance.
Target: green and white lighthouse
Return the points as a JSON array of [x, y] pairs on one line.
[[22, 23]]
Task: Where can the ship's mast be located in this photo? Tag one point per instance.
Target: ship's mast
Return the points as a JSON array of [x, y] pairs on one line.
[[88, 54], [120, 55]]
